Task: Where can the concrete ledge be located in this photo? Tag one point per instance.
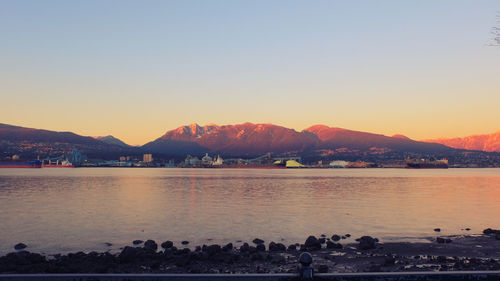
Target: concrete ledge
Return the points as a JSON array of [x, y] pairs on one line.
[[376, 276]]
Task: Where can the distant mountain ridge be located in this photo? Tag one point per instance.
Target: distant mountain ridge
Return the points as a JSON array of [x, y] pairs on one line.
[[16, 133], [112, 140], [332, 137], [241, 139], [254, 139], [487, 142], [29, 142]]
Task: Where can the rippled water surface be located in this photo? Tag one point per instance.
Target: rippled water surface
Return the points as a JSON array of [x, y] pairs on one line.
[[62, 210]]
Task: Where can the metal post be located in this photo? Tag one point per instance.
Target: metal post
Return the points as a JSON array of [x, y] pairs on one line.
[[306, 270]]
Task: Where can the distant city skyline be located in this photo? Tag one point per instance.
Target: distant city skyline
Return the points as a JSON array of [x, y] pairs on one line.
[[135, 70]]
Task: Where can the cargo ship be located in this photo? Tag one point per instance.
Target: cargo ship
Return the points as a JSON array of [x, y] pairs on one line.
[[30, 164], [57, 164], [426, 164]]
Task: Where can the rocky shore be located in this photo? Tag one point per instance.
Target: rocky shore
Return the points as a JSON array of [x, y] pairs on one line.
[[469, 252]]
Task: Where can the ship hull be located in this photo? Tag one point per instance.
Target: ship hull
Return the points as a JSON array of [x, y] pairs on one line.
[[253, 167], [33, 164], [426, 166]]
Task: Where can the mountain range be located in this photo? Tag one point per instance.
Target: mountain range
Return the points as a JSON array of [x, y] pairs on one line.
[[488, 142], [30, 143], [241, 140], [250, 139]]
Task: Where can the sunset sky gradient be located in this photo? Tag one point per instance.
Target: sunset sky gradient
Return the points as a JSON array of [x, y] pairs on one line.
[[135, 69]]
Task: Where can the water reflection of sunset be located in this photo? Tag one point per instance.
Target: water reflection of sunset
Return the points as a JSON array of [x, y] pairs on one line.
[[93, 206]]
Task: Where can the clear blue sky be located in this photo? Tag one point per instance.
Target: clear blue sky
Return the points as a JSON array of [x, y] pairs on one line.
[[135, 69]]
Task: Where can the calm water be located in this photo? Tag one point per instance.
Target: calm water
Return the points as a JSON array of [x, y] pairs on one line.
[[61, 210]]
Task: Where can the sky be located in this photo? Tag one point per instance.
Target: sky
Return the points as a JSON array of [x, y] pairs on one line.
[[135, 69]]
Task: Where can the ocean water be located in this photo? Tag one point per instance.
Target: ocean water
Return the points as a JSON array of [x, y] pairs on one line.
[[67, 210]]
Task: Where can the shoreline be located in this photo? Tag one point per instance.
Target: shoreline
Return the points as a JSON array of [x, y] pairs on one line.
[[367, 254], [268, 167]]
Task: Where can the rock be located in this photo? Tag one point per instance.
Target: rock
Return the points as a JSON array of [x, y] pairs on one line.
[[129, 254], [441, 259], [366, 242], [437, 229], [467, 229], [272, 247], [182, 251], [292, 247], [196, 255], [278, 259], [185, 242], [312, 243], [276, 247], [20, 246], [212, 249], [257, 256], [167, 244], [335, 237], [227, 247], [22, 262], [443, 240], [389, 260], [323, 268], [333, 245], [497, 237], [151, 245], [261, 248], [182, 260], [244, 248], [137, 242], [343, 237], [348, 235], [323, 235], [491, 231], [258, 241], [322, 240], [108, 244]]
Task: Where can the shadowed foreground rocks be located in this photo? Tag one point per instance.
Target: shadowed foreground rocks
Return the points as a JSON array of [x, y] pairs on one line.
[[367, 255]]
